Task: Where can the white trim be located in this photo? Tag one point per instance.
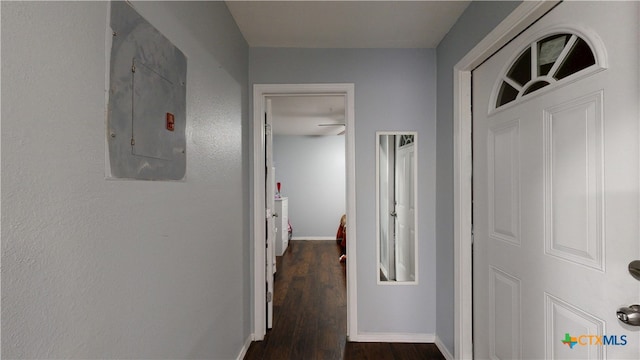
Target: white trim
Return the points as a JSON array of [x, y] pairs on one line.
[[314, 238], [108, 44], [259, 251], [395, 337], [260, 91], [523, 16], [245, 348], [443, 349]]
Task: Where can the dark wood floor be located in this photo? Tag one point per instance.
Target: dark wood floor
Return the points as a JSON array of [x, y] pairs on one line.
[[310, 312]]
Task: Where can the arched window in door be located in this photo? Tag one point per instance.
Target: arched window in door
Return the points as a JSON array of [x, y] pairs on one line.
[[554, 58]]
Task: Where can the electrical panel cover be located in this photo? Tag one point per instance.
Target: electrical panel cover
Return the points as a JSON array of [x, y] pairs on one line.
[[147, 100]]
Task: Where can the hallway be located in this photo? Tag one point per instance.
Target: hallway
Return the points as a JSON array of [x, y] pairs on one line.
[[310, 312]]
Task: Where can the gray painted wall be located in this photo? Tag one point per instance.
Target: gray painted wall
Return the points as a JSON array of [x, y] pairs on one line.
[[474, 24], [95, 268], [311, 170], [394, 90]]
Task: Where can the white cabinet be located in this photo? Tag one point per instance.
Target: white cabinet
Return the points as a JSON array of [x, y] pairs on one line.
[[282, 225]]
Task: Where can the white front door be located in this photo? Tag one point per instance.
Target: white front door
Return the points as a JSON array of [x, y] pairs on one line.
[[556, 188], [405, 208]]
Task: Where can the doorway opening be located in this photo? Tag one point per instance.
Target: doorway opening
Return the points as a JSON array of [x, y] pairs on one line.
[[263, 96], [307, 166]]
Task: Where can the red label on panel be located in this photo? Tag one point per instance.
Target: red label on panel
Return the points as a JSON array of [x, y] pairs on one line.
[[170, 121]]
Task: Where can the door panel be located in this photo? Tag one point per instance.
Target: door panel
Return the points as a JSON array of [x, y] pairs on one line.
[[573, 166], [505, 315], [504, 181], [556, 198]]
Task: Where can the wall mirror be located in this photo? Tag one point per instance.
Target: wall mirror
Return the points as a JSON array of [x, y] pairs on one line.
[[396, 168]]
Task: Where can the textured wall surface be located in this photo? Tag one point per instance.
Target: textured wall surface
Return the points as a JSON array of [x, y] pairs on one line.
[[95, 268], [474, 24], [311, 170], [394, 90]]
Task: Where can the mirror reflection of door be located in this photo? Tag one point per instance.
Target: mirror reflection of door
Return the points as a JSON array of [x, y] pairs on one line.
[[405, 208], [396, 206]]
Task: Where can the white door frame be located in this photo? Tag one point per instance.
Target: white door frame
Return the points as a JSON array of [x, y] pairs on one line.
[[521, 18], [260, 92]]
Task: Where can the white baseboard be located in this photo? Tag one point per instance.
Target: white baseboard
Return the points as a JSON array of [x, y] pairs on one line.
[[314, 238], [245, 347], [443, 349], [394, 337]]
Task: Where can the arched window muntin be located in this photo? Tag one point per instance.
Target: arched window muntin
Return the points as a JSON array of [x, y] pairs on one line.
[[575, 35]]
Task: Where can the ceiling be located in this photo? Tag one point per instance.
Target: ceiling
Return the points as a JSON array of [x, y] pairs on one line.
[[345, 24], [308, 115], [337, 24]]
